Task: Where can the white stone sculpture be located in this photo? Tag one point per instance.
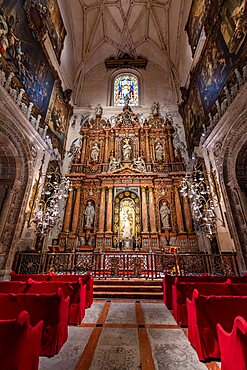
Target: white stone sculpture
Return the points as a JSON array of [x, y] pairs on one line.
[[95, 152], [139, 164], [114, 164], [89, 214], [127, 150], [165, 215], [159, 152]]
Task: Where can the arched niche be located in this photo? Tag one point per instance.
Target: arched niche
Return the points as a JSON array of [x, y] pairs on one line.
[[16, 178]]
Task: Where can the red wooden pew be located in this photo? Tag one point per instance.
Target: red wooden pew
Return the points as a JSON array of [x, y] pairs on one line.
[[20, 343], [53, 309], [86, 279], [233, 345], [204, 313]]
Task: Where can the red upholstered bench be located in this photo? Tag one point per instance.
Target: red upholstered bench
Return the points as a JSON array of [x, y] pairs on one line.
[[204, 313], [74, 290], [233, 345], [53, 309], [13, 286], [169, 280], [86, 279], [20, 343], [183, 290]]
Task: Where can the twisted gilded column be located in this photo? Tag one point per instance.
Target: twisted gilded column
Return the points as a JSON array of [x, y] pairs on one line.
[[152, 210], [83, 151], [179, 212], [102, 211], [109, 211], [187, 215], [144, 211], [68, 211], [147, 145], [171, 151], [76, 210], [106, 156]]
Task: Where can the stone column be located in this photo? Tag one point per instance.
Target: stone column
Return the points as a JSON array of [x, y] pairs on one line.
[[76, 210], [144, 211], [106, 156], [152, 210], [109, 211], [179, 211], [102, 211], [147, 145], [187, 215], [68, 212], [171, 151], [84, 146]]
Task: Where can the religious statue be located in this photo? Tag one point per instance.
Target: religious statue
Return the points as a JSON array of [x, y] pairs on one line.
[[89, 214], [139, 164], [98, 111], [165, 215], [127, 150], [95, 152], [127, 227], [155, 108], [159, 152], [114, 164]]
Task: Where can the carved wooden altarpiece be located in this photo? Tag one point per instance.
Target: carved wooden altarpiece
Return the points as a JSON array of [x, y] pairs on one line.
[[129, 173]]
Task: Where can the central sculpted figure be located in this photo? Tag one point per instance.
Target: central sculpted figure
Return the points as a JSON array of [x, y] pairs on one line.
[[159, 152], [89, 214], [165, 215], [127, 150], [95, 152]]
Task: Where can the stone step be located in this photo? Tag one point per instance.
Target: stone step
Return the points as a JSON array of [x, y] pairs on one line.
[[127, 282], [140, 295], [128, 287]]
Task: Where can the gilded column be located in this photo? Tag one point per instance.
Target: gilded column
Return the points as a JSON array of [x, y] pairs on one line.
[[144, 211], [109, 211], [76, 210], [187, 215], [83, 151], [152, 210], [171, 152], [68, 212], [147, 146], [179, 211], [102, 211], [106, 157]]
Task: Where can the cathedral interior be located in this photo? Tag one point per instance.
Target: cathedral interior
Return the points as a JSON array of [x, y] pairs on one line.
[[123, 130]]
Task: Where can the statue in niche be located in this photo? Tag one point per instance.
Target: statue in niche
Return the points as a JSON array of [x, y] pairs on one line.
[[139, 164], [114, 164], [127, 150], [165, 216], [155, 108], [89, 214], [98, 111], [95, 152], [159, 152]]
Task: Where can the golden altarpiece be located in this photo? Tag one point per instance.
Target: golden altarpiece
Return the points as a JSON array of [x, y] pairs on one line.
[[125, 180]]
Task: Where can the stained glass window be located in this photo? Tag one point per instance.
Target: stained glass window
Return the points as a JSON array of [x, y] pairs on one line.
[[126, 85]]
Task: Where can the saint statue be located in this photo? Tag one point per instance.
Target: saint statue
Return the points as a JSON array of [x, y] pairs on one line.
[[98, 111], [165, 215], [139, 164], [159, 152], [89, 214], [95, 152], [127, 227], [114, 164], [155, 108], [127, 150]]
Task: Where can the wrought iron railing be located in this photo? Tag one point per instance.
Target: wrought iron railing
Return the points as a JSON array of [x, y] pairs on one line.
[[126, 265]]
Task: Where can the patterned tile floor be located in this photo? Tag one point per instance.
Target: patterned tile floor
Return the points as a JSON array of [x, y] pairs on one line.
[[126, 335]]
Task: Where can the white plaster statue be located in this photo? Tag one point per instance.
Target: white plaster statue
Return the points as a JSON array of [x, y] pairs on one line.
[[98, 110], [114, 164], [159, 152], [127, 150], [89, 214], [165, 215], [155, 108], [139, 164], [95, 152]]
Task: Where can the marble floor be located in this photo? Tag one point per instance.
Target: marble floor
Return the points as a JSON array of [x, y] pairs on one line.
[[126, 335]]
